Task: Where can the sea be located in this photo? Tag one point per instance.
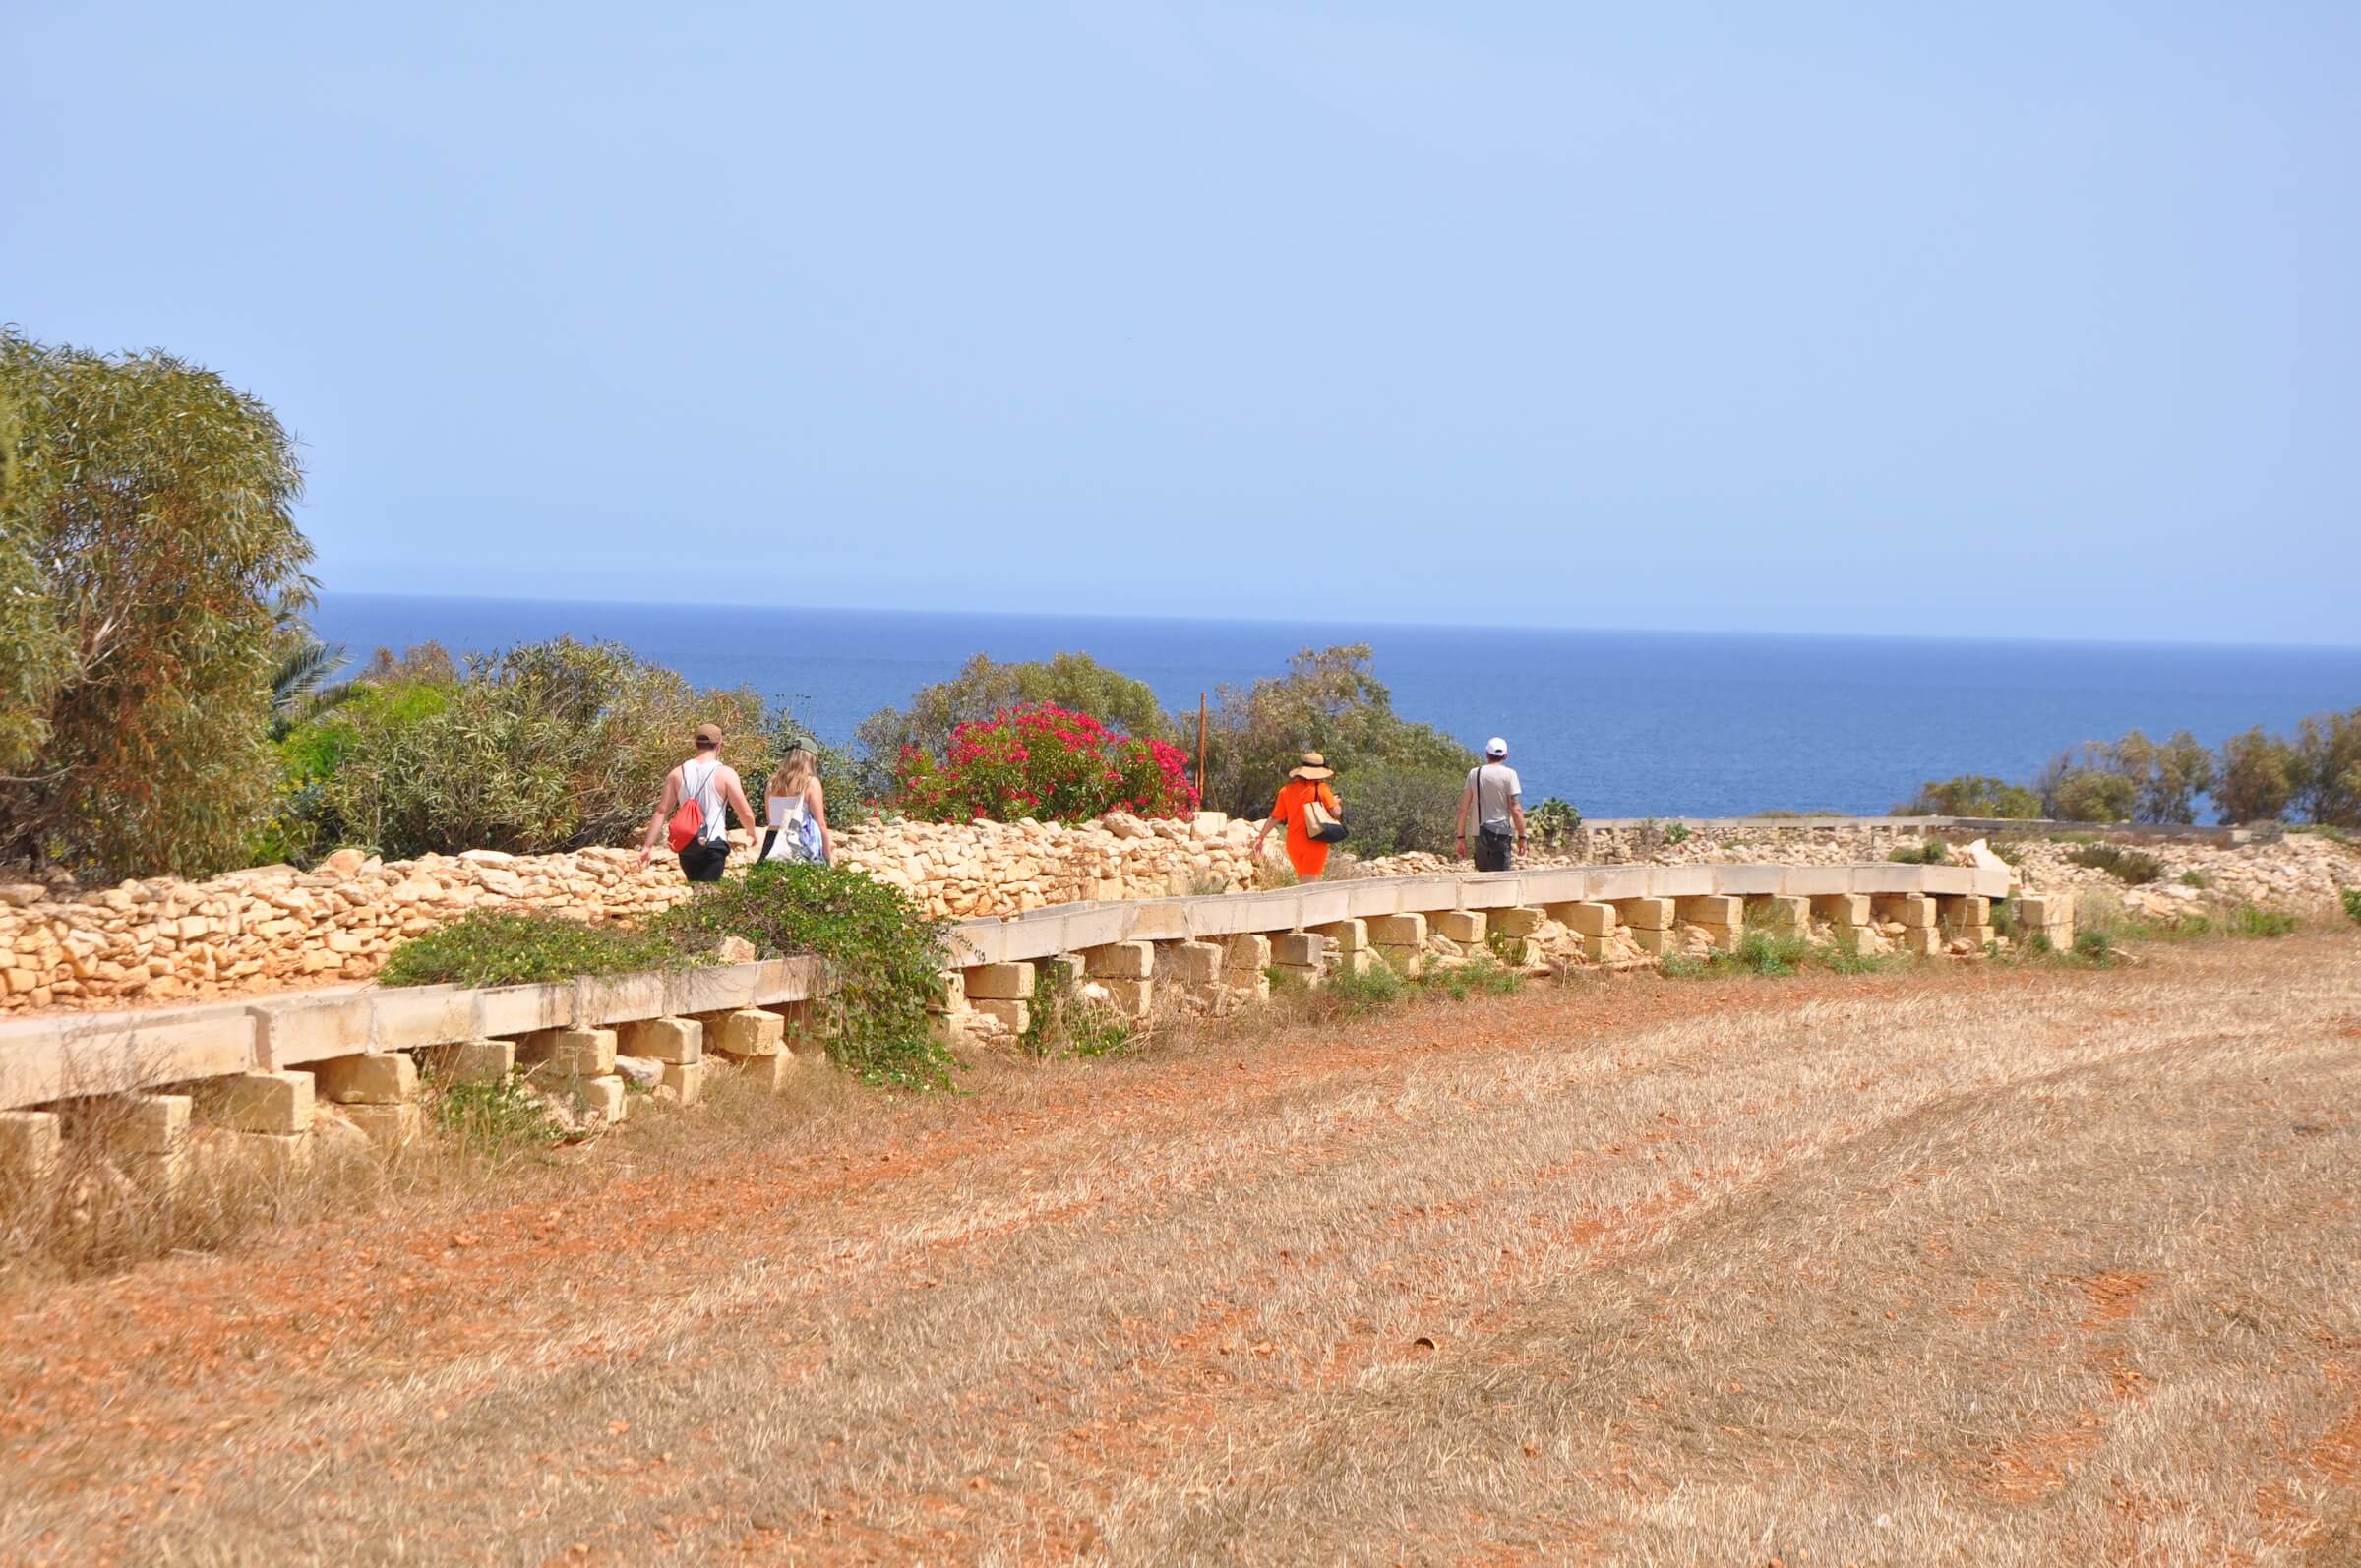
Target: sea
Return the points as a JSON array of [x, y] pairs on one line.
[[1621, 723]]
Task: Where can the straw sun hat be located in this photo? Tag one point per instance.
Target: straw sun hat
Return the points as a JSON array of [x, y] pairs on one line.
[[1315, 768]]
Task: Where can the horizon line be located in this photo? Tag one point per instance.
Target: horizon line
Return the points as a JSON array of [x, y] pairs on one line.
[[1373, 625]]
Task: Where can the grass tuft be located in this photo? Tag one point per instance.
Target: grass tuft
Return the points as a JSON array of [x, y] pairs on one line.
[[490, 947]]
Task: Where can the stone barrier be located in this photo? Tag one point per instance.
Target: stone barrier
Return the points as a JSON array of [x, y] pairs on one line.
[[262, 1080]]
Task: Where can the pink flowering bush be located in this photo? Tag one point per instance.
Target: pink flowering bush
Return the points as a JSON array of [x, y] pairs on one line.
[[1044, 762]]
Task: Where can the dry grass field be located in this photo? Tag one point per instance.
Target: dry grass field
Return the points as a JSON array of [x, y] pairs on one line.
[[1963, 1266]]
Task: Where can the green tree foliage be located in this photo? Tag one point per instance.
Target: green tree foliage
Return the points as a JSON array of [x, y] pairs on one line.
[[147, 549], [984, 687], [1391, 810], [1971, 795], [2327, 768], [550, 746], [2255, 780], [1328, 702], [2168, 776]]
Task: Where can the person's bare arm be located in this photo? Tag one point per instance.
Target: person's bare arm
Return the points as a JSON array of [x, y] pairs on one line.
[[738, 802], [666, 804], [1516, 815], [820, 813], [1465, 796]]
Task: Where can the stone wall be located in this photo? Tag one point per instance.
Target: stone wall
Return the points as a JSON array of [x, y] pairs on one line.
[[274, 927]]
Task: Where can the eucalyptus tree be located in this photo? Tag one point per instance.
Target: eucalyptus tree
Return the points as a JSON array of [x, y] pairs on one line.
[[147, 552]]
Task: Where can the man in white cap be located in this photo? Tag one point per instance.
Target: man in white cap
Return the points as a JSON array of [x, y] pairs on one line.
[[1495, 798]]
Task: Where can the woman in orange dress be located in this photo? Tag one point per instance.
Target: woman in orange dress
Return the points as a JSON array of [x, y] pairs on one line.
[[1305, 783]]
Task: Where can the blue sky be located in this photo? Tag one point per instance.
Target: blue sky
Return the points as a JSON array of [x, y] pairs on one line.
[[2030, 320]]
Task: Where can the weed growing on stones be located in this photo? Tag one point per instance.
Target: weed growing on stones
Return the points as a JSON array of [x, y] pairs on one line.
[[2131, 866], [2249, 921], [1063, 1024], [490, 949], [495, 1121], [883, 954], [2352, 904], [1931, 853]]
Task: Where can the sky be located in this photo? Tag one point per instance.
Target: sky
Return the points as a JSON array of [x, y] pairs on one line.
[[2024, 320]]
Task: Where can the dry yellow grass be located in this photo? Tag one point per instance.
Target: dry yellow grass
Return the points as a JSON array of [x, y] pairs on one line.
[[1963, 1267]]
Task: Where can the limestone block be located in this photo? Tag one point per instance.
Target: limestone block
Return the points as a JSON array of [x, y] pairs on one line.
[[684, 1083], [673, 1040], [2045, 909], [1785, 912], [1397, 931], [1596, 948], [1359, 961], [1585, 919], [150, 1123], [999, 983], [254, 1155], [1923, 940], [600, 1095], [1129, 997], [1408, 962], [1246, 952], [1842, 909], [573, 1052], [1712, 909], [1460, 925], [472, 1062], [746, 1032], [951, 991], [1062, 970], [374, 1077], [275, 1103], [775, 1071], [1963, 910], [1016, 1015], [1190, 963], [389, 1127], [638, 1072], [1346, 935], [1249, 985], [1913, 910], [1517, 922], [30, 1142], [1657, 939], [1725, 939], [1121, 961], [293, 1030], [1645, 913], [1303, 950]]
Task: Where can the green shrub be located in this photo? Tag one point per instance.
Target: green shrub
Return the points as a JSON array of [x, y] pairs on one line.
[[1359, 993], [1554, 823], [1675, 832], [885, 955], [1971, 795], [2196, 879], [1394, 811], [1061, 1024], [1931, 853], [2131, 866], [1479, 977], [2248, 921], [2094, 945], [983, 688], [1773, 952], [490, 949], [548, 746], [494, 1121], [2352, 904], [1328, 702]]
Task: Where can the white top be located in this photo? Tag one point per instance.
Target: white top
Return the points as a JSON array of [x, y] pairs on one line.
[[787, 811], [1495, 785], [702, 784]]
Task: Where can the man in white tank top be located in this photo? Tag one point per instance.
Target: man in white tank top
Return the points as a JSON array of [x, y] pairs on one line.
[[711, 782]]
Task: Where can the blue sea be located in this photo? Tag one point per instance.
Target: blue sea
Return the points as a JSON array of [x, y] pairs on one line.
[[1621, 723]]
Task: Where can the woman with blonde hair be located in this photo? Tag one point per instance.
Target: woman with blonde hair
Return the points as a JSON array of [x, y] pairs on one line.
[[1306, 810], [797, 808]]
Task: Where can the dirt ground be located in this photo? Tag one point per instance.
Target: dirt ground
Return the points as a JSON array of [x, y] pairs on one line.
[[1960, 1266]]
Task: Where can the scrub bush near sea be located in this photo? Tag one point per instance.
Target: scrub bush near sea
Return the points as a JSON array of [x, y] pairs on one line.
[[1042, 762], [2129, 866], [884, 956], [1553, 823]]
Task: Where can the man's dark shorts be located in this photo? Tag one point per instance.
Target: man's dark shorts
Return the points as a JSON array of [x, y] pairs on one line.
[[1492, 853], [702, 861]]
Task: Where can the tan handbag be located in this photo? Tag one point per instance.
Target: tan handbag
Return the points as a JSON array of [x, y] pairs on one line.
[[1321, 824]]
